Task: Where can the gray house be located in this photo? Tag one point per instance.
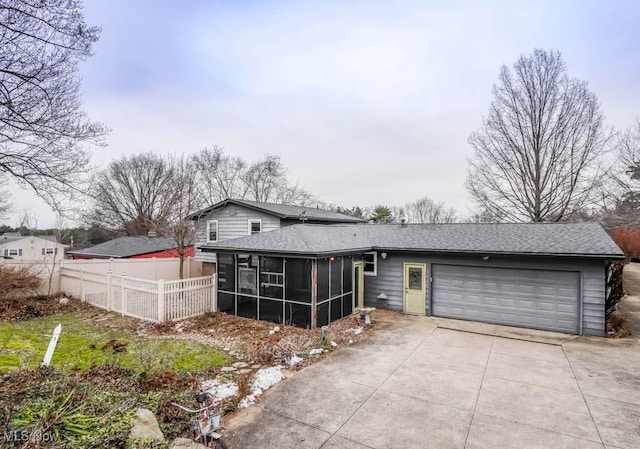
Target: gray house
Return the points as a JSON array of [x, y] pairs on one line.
[[230, 219], [546, 276]]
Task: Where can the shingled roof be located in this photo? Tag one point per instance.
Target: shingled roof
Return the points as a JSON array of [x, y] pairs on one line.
[[123, 247], [285, 211], [558, 239]]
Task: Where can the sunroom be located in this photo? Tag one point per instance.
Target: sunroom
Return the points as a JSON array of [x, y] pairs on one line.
[[299, 291]]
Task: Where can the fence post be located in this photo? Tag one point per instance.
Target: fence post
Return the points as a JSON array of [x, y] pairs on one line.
[[214, 294], [161, 303], [109, 291], [123, 293], [82, 290]]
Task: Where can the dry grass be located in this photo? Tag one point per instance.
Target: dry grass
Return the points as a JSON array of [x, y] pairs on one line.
[[18, 281], [617, 325]]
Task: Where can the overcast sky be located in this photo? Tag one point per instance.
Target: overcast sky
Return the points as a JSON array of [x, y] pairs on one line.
[[366, 102]]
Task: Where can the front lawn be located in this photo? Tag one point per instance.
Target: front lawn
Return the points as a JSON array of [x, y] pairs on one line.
[[84, 342], [106, 366]]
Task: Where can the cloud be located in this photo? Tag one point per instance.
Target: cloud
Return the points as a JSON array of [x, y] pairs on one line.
[[366, 101]]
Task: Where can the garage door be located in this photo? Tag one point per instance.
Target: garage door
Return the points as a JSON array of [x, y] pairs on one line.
[[537, 299]]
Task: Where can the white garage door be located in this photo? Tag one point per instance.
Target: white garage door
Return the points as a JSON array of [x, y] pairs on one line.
[[538, 299]]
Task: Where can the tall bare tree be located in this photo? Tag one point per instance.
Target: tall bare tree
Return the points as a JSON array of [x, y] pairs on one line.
[[134, 194], [624, 187], [425, 210], [221, 176], [42, 124], [186, 201], [537, 153]]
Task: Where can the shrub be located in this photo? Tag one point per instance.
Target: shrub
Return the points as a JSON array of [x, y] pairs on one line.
[[15, 281], [628, 239], [614, 287]]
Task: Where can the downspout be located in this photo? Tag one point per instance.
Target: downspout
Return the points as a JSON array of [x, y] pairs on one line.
[[314, 293]]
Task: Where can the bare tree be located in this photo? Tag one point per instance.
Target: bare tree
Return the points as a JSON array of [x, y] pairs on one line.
[[51, 256], [28, 222], [134, 194], [42, 124], [537, 153], [219, 176], [623, 188], [5, 203], [185, 202], [264, 178], [425, 210], [629, 155]]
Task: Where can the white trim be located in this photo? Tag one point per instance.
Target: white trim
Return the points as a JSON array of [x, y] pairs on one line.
[[250, 222], [375, 264], [209, 222]]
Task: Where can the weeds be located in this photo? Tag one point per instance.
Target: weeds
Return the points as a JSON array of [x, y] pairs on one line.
[[18, 281], [617, 325]]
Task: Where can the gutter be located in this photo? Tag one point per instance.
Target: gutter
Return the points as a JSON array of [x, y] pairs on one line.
[[319, 254]]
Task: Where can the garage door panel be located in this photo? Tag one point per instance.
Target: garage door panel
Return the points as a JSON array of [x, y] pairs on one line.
[[539, 299]]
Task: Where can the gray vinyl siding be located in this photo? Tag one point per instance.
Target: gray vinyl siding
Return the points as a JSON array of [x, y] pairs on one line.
[[233, 222], [390, 278], [593, 299], [205, 257]]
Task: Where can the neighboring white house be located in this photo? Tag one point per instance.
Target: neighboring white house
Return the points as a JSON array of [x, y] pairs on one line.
[[28, 248]]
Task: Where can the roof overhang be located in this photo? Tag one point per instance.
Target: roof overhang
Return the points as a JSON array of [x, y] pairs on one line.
[[283, 253], [221, 204], [499, 253], [346, 251]]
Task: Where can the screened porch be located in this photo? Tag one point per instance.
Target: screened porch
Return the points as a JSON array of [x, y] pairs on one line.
[[282, 289]]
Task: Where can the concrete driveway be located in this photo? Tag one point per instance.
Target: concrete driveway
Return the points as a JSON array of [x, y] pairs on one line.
[[420, 384]]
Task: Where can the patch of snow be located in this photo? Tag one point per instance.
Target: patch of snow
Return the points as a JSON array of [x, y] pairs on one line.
[[316, 351], [220, 390], [294, 360], [355, 330], [334, 344], [264, 379]]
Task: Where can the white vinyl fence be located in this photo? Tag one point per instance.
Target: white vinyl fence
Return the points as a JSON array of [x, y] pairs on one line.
[[157, 301]]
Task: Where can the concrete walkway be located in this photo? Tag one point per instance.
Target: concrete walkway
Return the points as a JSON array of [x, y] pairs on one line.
[[417, 385]]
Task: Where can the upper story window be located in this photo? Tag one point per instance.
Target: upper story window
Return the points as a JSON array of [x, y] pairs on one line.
[[212, 231], [49, 251], [255, 227], [12, 252], [370, 263]]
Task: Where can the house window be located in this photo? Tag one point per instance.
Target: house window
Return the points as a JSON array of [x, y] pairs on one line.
[[255, 227], [12, 252], [370, 263], [49, 251], [212, 231]]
